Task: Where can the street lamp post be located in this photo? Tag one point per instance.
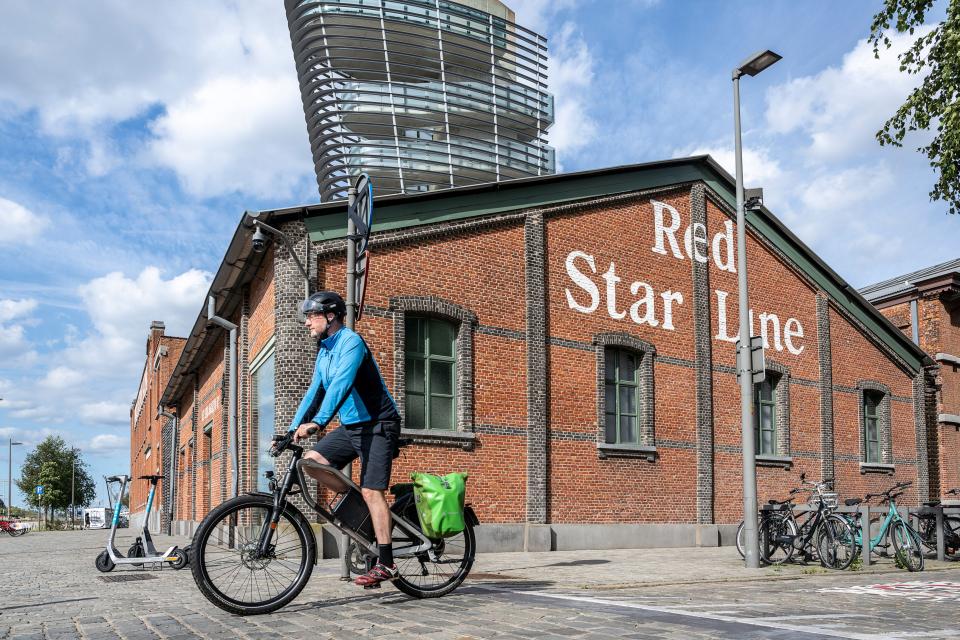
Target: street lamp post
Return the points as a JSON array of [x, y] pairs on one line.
[[73, 473], [10, 445], [751, 67]]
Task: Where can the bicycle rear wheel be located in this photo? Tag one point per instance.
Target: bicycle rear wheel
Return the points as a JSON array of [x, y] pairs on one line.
[[907, 549], [776, 533], [836, 543], [439, 571], [227, 567], [740, 538]]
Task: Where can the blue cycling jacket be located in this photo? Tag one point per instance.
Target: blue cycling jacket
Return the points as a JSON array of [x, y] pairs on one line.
[[345, 380]]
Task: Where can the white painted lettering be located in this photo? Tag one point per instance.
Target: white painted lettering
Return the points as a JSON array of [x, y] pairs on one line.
[[770, 319], [669, 297], [722, 318], [725, 237], [583, 281], [646, 303], [611, 277], [693, 237], [790, 333], [661, 231]]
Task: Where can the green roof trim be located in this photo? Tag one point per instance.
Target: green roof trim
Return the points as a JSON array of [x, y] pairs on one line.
[[328, 222], [391, 216]]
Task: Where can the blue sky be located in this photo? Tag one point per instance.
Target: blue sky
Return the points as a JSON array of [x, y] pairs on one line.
[[132, 140]]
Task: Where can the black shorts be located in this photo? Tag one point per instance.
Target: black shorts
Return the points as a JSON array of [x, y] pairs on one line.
[[375, 443]]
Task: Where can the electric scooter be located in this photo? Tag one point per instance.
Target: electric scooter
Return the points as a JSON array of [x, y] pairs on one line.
[[142, 551]]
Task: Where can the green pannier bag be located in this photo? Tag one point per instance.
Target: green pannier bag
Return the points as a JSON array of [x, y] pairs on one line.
[[440, 503]]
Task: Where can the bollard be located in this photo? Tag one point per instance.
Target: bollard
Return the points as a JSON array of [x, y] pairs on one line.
[[941, 543], [865, 534]]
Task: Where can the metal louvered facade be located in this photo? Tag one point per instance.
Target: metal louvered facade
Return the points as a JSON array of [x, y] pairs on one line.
[[420, 94]]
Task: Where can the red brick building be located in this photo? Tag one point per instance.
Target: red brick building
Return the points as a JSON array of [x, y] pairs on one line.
[[568, 341], [925, 305], [147, 450]]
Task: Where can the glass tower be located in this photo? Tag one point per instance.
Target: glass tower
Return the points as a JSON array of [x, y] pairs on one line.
[[420, 94]]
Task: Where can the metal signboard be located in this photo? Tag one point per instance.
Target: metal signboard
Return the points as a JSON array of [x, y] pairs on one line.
[[361, 213]]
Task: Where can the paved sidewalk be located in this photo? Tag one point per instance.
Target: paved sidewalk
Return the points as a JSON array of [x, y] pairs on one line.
[[51, 591]]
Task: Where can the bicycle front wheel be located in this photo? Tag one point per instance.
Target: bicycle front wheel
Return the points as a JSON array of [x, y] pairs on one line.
[[230, 571], [906, 547], [836, 542]]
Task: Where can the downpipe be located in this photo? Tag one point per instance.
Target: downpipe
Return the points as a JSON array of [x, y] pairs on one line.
[[232, 401], [172, 479]]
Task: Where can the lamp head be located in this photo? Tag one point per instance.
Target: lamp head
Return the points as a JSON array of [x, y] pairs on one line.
[[757, 63]]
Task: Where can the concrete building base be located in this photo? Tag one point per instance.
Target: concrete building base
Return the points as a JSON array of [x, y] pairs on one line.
[[493, 538]]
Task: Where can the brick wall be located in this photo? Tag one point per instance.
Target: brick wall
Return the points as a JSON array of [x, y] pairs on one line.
[[533, 442]]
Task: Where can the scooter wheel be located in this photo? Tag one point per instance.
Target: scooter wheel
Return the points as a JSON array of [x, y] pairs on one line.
[[183, 559], [136, 551], [104, 563]]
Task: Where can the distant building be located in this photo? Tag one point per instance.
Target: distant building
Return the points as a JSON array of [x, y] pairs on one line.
[[925, 305], [420, 94], [149, 452]]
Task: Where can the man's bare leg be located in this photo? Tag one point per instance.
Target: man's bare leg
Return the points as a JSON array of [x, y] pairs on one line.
[[380, 514]]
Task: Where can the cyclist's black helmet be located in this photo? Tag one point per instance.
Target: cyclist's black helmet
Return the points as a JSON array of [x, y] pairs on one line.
[[324, 302]]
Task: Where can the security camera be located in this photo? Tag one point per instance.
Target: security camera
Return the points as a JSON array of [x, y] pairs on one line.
[[259, 240]]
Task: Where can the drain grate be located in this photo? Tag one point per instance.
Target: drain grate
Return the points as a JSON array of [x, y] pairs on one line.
[[128, 577]]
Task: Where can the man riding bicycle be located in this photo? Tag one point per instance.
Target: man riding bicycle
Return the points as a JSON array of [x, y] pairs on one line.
[[347, 381]]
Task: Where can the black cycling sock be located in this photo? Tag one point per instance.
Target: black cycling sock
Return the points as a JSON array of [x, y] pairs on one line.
[[386, 554]]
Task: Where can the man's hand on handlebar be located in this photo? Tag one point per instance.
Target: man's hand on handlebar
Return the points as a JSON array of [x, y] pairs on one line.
[[305, 430]]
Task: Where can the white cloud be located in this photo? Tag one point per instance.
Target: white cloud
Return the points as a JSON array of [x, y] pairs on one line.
[[840, 109], [571, 77], [100, 412], [94, 376], [12, 309], [177, 59], [760, 168], [20, 224], [14, 346], [61, 378], [108, 442], [236, 134]]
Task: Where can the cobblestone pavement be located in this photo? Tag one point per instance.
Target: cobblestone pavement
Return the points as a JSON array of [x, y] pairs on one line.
[[51, 590]]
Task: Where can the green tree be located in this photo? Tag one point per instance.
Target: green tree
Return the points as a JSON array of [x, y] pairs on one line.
[[50, 466], [936, 102]]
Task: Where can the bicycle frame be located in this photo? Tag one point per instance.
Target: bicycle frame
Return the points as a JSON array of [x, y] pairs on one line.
[[295, 475], [892, 516]]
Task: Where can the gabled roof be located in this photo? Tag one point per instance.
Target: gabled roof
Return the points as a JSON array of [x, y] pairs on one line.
[[910, 285], [326, 221]]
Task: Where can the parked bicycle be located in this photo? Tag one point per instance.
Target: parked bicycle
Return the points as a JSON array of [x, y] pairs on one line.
[[927, 529], [819, 533], [764, 518], [894, 530], [12, 527], [255, 553]]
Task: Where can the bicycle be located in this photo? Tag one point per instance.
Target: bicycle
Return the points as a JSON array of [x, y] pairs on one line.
[[822, 531], [9, 526], [905, 540], [254, 554], [951, 529], [764, 521]]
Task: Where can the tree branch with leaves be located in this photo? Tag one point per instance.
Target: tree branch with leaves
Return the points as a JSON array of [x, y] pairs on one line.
[[936, 102]]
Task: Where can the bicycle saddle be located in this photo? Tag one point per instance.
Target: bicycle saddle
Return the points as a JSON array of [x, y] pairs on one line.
[[852, 502], [117, 478], [401, 488], [153, 477]]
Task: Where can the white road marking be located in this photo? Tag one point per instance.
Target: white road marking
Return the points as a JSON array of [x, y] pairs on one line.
[[755, 622]]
